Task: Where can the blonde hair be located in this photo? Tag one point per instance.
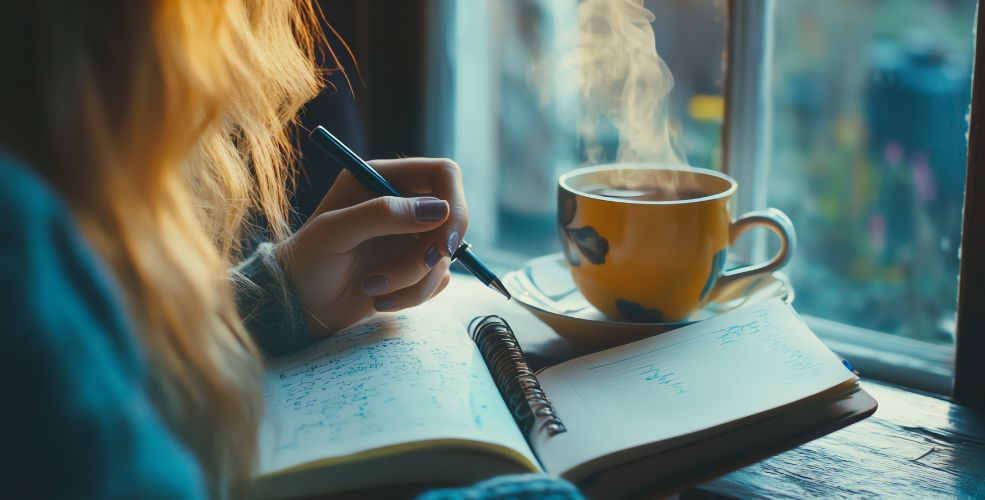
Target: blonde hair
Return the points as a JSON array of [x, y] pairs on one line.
[[165, 125]]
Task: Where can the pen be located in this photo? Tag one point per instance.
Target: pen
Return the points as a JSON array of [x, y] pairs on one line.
[[373, 180]]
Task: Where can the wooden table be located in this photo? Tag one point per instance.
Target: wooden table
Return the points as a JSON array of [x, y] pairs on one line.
[[915, 446]]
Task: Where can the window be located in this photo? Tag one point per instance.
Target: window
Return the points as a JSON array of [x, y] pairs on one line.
[[863, 117], [868, 156], [516, 112]]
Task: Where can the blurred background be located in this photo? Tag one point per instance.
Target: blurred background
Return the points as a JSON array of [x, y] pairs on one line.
[[868, 102]]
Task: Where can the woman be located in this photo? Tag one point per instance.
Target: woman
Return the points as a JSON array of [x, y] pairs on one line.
[[138, 139]]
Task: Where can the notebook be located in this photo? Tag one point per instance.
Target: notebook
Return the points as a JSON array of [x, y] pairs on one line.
[[418, 397]]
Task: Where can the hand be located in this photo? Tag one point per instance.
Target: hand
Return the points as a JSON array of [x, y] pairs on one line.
[[360, 253]]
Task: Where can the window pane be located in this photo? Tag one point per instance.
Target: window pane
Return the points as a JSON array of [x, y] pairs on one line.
[[868, 157], [534, 134]]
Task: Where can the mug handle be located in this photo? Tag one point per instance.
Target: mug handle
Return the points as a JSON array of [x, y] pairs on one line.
[[772, 219]]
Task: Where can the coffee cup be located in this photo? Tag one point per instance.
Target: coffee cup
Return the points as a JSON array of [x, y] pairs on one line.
[[649, 243]]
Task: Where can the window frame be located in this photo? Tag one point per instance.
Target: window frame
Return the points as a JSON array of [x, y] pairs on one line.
[[747, 127], [969, 348]]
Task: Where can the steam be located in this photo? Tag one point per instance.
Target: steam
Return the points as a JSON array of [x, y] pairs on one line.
[[623, 81]]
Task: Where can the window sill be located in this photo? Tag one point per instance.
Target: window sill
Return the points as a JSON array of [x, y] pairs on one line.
[[889, 358]]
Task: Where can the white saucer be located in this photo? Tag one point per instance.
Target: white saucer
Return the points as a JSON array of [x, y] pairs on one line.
[[545, 287]]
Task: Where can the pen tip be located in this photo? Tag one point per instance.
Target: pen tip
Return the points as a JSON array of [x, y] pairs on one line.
[[498, 286]]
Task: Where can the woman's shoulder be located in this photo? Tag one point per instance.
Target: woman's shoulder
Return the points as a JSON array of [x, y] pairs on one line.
[[45, 262], [23, 193], [70, 365], [34, 217]]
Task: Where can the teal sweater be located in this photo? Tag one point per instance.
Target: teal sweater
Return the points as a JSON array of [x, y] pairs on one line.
[[77, 419]]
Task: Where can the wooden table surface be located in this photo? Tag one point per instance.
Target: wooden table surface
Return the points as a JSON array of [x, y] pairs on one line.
[[915, 446]]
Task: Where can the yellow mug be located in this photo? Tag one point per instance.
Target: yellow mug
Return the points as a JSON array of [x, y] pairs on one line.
[[648, 243]]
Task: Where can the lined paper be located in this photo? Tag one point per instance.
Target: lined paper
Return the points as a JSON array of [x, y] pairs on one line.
[[396, 378], [704, 375]]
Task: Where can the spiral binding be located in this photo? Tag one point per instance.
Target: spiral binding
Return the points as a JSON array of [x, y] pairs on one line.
[[517, 383]]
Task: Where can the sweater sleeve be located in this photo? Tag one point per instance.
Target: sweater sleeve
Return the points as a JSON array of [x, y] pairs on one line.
[[78, 421], [268, 304]]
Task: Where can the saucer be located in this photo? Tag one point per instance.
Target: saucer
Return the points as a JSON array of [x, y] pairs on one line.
[[545, 287]]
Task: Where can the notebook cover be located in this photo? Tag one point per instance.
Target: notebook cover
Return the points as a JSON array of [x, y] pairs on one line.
[[640, 482]]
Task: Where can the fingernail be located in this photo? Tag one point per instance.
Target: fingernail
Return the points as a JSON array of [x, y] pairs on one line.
[[385, 305], [375, 284], [452, 243], [432, 256], [430, 209]]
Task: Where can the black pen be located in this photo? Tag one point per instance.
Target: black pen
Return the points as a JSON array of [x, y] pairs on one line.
[[373, 180]]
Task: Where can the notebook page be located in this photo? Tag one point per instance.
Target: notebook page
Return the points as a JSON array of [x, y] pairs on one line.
[[391, 380], [707, 374]]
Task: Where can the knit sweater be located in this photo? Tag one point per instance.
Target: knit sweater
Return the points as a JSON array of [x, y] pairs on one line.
[[267, 303]]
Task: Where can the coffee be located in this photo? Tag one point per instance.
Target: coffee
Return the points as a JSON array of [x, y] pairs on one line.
[[646, 193], [649, 243]]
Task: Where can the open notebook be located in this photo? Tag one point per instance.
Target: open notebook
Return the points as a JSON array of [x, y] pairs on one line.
[[411, 398]]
